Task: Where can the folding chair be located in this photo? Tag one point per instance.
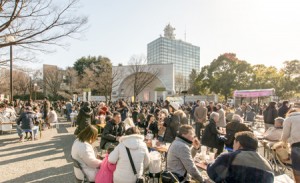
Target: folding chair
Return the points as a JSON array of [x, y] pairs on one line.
[[76, 164]]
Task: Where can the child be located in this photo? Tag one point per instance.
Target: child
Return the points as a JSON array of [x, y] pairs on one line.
[[106, 172]]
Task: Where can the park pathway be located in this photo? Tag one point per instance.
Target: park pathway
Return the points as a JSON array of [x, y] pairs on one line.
[[44, 160]]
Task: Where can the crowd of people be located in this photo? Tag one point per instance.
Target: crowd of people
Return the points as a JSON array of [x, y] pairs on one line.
[[186, 127]]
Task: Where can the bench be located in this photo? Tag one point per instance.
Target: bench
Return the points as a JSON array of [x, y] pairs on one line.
[[6, 126]]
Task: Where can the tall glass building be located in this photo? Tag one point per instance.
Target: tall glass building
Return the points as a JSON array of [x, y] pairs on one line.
[[183, 55]]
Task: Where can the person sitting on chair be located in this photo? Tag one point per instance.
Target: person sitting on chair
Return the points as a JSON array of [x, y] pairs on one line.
[[236, 125], [25, 122], [274, 133], [112, 131], [83, 152], [242, 165]]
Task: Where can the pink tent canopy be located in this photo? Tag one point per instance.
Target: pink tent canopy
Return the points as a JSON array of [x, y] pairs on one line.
[[254, 93]]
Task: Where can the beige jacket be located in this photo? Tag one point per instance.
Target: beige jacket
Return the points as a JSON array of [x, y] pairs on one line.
[[291, 126], [200, 114]]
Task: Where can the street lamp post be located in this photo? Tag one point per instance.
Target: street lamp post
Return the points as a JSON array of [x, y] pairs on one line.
[[10, 39], [35, 89], [184, 94]]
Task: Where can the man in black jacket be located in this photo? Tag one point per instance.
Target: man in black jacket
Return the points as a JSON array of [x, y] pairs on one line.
[[112, 132], [284, 109]]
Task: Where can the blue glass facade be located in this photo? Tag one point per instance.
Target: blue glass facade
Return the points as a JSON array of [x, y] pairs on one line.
[[183, 55]]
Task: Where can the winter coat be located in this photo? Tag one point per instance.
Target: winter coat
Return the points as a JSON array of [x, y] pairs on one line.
[[231, 129], [123, 111], [119, 156], [84, 153], [283, 110], [106, 172], [172, 123], [180, 159], [153, 127], [269, 115], [291, 126], [211, 135], [200, 114], [241, 166], [110, 132], [84, 119], [27, 119]]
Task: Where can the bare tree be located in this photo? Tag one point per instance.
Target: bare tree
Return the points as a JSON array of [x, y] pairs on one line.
[[179, 82], [142, 75], [52, 80], [35, 23], [113, 80], [21, 82]]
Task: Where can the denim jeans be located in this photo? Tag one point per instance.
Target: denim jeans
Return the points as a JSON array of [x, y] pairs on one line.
[[20, 131]]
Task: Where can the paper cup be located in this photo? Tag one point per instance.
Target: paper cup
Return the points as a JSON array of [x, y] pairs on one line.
[[154, 143]]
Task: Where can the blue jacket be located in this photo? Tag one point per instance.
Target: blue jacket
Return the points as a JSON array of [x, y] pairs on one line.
[[241, 166]]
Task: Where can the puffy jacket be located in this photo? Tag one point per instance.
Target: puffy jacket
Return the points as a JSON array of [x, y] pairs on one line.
[[84, 118], [172, 123], [110, 132], [210, 135], [240, 166], [269, 115], [27, 119], [84, 153], [119, 156]]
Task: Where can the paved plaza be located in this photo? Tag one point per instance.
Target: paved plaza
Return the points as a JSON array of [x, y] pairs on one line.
[[44, 160]]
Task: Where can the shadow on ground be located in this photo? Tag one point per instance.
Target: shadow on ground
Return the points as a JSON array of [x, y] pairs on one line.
[[57, 144], [61, 174]]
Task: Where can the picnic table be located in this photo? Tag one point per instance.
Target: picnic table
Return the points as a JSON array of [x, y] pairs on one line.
[[160, 148]]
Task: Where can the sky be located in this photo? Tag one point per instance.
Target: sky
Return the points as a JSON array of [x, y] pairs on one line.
[[258, 31]]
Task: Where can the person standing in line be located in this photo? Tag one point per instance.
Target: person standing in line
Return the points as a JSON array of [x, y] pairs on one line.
[[84, 117], [222, 118], [211, 136], [269, 115], [282, 111], [211, 108], [46, 109], [200, 117]]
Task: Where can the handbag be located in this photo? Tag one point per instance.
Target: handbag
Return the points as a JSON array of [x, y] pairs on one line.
[[168, 177], [139, 179]]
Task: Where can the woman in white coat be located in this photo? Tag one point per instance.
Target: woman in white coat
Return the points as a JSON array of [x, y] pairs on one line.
[[83, 152], [139, 152]]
